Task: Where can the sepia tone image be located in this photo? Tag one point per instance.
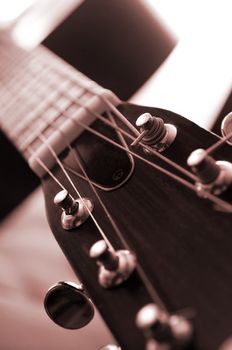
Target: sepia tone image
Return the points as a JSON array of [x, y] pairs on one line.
[[116, 175]]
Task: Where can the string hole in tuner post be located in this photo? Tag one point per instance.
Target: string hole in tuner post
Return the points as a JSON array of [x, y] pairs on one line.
[[74, 211], [163, 331], [154, 133], [115, 267], [212, 176]]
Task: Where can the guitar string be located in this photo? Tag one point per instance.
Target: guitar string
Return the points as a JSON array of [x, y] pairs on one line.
[[90, 87], [150, 149], [117, 128], [124, 119], [63, 168], [218, 143], [148, 285], [43, 165], [216, 200], [209, 196], [151, 290], [141, 272], [44, 140]]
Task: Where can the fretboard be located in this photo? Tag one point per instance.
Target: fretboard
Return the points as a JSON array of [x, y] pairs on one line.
[[40, 94]]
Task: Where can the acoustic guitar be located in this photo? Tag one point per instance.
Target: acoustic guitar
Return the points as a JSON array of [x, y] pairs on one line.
[[138, 198]]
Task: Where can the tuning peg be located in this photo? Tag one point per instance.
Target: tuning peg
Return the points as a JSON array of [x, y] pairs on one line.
[[110, 347], [114, 266], [226, 127], [154, 132], [75, 211], [163, 331], [68, 305], [153, 322], [213, 176]]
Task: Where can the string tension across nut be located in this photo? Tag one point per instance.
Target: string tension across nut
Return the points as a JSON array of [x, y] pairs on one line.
[[212, 176], [75, 211], [115, 267], [154, 133]]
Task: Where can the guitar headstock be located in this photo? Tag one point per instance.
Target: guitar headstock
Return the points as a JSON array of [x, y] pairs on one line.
[[177, 237]]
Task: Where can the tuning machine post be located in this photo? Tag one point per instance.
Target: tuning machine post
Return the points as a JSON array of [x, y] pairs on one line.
[[213, 176], [163, 331], [68, 305], [154, 133], [75, 211], [226, 128], [110, 347], [115, 267]]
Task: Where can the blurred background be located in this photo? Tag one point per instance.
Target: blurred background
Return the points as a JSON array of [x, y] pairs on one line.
[[178, 58]]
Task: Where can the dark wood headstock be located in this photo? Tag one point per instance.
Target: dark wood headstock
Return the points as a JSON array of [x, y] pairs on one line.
[[182, 243]]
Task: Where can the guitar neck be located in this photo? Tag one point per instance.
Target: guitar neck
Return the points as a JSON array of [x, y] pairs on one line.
[[41, 93]]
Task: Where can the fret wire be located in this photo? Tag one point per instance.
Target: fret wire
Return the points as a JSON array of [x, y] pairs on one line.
[[27, 118], [17, 97], [185, 183], [148, 285], [64, 83], [34, 135], [135, 129]]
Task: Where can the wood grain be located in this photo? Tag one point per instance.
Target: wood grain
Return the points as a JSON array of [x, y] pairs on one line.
[[182, 243]]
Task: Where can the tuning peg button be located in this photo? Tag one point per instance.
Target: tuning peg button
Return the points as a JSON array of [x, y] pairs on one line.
[[105, 256], [75, 211], [226, 127], [153, 322], [163, 331], [68, 305], [154, 132], [110, 347], [114, 266]]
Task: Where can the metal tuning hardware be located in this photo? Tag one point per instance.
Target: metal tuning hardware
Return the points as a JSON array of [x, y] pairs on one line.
[[68, 305], [115, 267], [213, 176], [75, 211], [226, 127], [110, 347], [154, 132], [163, 331]]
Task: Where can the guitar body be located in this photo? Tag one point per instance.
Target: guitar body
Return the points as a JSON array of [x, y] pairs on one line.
[[183, 244]]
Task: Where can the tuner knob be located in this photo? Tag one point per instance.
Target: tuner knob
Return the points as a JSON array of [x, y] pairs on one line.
[[114, 266], [213, 176], [154, 132], [75, 211], [226, 127], [110, 347], [68, 305], [154, 322], [163, 331]]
